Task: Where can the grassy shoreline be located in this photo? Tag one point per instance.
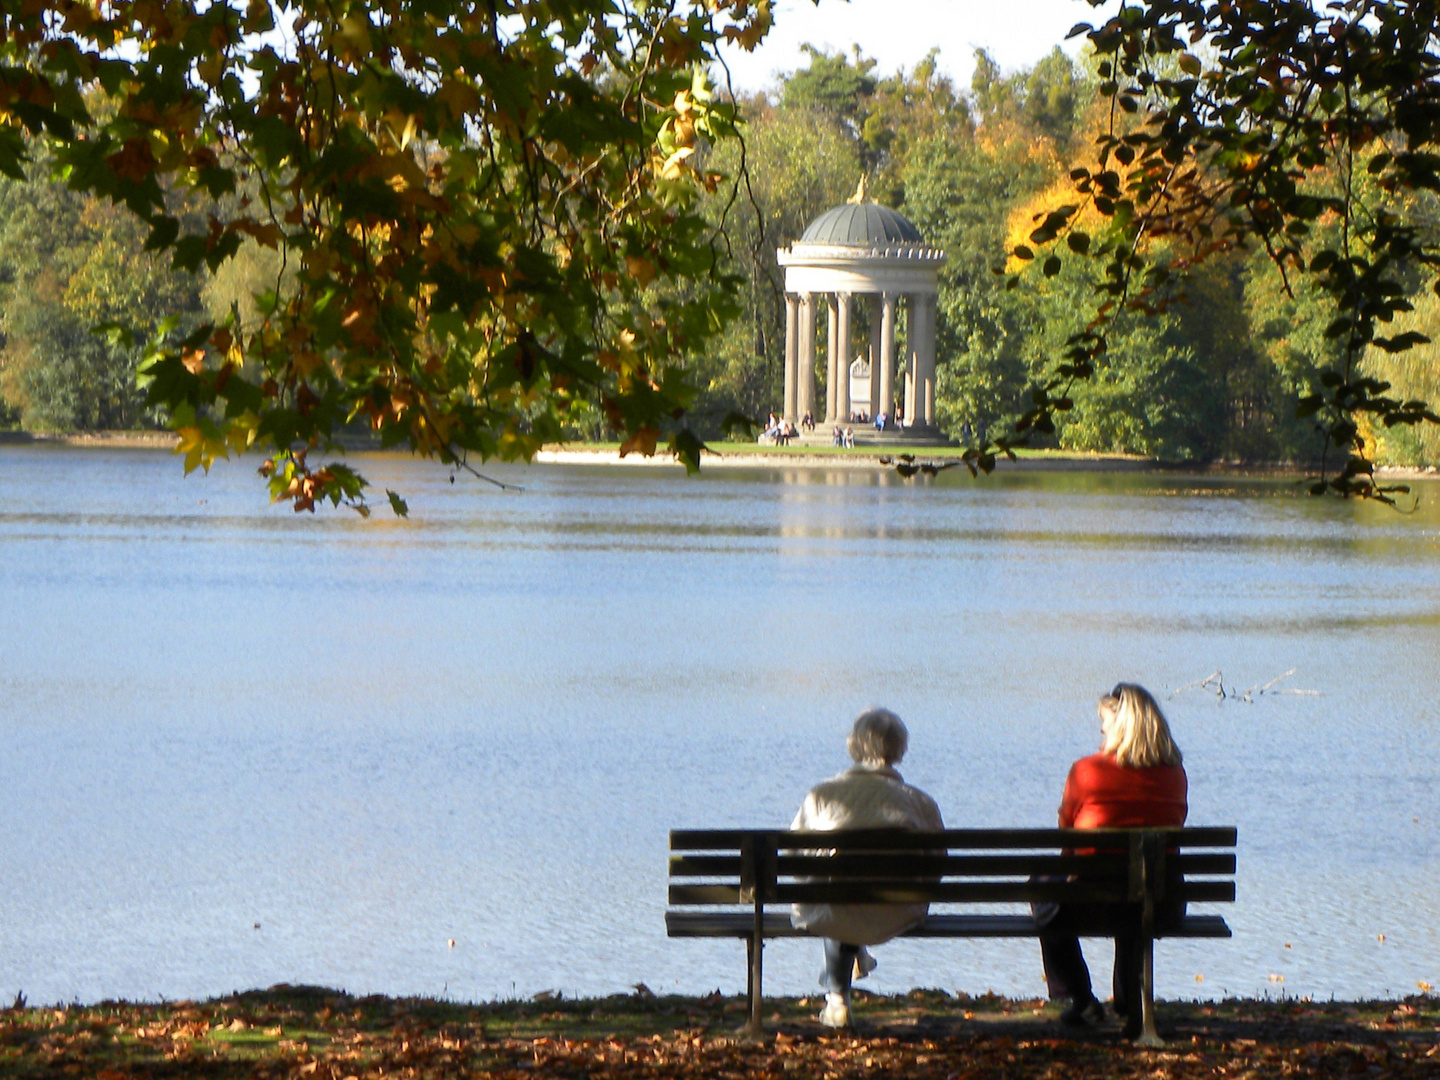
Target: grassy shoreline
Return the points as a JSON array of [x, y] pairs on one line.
[[754, 455], [314, 1032]]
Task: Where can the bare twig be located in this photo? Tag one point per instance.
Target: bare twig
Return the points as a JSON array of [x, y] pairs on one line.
[[461, 462], [1215, 682]]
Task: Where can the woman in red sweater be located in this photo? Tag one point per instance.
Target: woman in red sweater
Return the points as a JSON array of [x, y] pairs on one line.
[[1136, 780]]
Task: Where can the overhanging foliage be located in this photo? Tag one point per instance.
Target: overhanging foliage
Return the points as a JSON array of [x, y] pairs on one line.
[[470, 199], [1311, 130]]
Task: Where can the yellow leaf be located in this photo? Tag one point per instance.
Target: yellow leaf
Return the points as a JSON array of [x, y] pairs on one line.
[[674, 166], [211, 68], [460, 98], [642, 270]]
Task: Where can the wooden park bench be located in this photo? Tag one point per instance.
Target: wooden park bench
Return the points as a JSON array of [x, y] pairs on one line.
[[722, 882]]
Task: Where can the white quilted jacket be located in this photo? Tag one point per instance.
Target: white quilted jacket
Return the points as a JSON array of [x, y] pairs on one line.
[[864, 797]]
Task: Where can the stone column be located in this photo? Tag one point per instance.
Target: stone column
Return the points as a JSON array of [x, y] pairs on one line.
[[842, 368], [887, 357], [919, 313], [874, 355], [927, 347], [912, 357], [805, 383], [792, 355], [832, 325]]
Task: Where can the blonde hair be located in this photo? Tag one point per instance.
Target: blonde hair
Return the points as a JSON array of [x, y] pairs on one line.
[[878, 737], [1135, 729]]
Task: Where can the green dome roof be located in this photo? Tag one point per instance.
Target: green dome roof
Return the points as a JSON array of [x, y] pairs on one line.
[[863, 224]]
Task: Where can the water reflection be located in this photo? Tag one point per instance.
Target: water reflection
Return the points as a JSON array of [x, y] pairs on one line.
[[371, 737]]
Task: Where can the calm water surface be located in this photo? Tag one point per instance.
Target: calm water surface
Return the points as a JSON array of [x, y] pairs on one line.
[[244, 746]]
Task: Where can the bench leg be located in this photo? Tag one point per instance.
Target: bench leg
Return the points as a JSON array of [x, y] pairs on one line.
[[755, 954], [749, 971], [1148, 1035]]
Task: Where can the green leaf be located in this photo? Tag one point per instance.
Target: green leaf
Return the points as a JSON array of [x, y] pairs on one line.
[[1401, 342], [163, 230], [117, 335], [398, 506], [13, 154], [687, 447]]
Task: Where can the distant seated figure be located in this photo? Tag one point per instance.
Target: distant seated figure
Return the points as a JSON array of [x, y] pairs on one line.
[[837, 437], [870, 795], [849, 440], [879, 421]]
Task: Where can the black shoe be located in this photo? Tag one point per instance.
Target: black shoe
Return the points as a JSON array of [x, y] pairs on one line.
[[1083, 1012]]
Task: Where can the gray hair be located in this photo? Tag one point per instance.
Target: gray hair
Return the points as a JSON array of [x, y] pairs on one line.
[[878, 737]]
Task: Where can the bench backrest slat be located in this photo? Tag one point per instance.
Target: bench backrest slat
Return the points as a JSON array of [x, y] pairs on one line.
[[888, 865], [963, 866], [909, 892], [968, 839], [1213, 892], [1204, 864]]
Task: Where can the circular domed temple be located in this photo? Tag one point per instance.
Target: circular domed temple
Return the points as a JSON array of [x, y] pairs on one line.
[[863, 252]]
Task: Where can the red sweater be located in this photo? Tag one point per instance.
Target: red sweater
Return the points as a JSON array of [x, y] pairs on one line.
[[1101, 793]]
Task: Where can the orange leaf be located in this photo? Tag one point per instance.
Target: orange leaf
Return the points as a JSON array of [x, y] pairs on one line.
[[643, 441]]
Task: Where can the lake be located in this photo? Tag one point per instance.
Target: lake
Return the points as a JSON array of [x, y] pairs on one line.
[[245, 746]]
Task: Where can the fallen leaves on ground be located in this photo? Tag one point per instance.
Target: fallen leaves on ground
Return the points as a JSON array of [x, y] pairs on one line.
[[304, 1033]]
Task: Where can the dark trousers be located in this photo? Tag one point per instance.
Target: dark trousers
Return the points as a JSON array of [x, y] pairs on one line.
[[1066, 974], [839, 965]]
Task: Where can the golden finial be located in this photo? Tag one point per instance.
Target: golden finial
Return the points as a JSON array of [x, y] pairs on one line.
[[862, 191]]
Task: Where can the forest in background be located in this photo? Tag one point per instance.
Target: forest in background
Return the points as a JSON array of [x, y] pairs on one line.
[[1216, 377]]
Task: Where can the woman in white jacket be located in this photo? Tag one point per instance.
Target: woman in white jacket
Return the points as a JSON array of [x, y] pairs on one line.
[[870, 795]]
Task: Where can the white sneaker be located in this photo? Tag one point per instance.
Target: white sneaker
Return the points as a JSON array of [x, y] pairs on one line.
[[836, 1013], [865, 963]]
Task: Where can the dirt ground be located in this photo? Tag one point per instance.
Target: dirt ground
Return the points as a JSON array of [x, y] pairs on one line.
[[304, 1032]]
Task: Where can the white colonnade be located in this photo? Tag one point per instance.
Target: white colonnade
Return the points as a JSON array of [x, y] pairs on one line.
[[904, 376], [895, 281]]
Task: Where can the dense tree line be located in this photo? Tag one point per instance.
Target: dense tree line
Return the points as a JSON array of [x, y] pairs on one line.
[[1216, 376]]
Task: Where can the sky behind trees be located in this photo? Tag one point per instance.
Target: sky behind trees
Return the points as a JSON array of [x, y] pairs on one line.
[[898, 33]]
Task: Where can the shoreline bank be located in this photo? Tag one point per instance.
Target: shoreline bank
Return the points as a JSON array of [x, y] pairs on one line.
[[771, 457], [305, 1032]]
